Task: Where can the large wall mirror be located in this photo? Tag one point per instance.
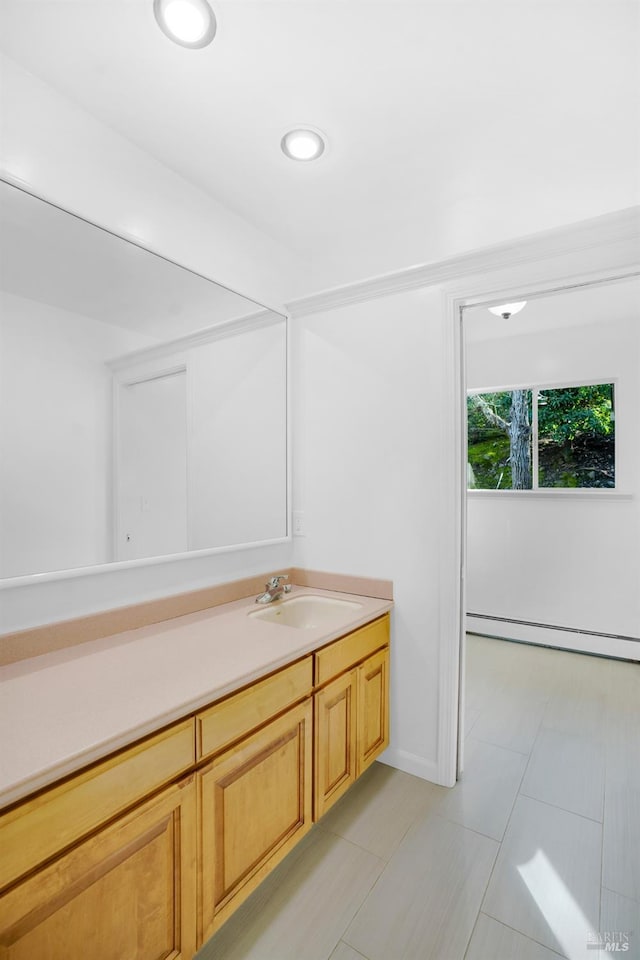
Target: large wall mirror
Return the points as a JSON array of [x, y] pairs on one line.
[[143, 408]]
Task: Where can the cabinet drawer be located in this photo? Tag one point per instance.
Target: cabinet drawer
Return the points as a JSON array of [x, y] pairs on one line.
[[38, 829], [225, 722], [344, 653]]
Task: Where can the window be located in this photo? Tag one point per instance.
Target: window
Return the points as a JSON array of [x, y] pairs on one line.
[[542, 437]]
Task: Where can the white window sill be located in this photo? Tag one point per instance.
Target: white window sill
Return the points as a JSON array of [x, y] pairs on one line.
[[553, 493]]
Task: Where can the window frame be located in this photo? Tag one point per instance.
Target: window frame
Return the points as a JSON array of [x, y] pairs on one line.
[[598, 493]]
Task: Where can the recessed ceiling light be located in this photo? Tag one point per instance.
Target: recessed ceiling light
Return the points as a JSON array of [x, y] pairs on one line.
[[191, 23], [302, 144], [507, 309]]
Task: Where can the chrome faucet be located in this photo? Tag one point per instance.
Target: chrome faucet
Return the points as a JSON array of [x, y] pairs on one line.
[[273, 589]]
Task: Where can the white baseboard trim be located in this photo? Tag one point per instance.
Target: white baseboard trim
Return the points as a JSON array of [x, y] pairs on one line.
[[548, 636], [412, 763]]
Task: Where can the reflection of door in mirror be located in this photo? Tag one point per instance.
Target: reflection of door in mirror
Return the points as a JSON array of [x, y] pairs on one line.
[[151, 467]]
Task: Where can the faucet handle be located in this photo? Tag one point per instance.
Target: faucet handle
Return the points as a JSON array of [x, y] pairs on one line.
[[275, 581]]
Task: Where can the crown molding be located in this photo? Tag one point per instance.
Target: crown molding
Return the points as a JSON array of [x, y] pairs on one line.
[[228, 328], [621, 226]]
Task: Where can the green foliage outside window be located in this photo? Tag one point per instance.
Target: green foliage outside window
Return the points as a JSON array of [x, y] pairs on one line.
[[572, 430]]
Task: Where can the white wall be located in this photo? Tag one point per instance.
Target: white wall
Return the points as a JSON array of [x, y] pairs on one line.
[[368, 406], [55, 436], [559, 559]]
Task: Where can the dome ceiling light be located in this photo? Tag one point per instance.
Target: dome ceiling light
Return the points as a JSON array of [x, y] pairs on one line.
[[191, 23], [507, 309], [303, 143]]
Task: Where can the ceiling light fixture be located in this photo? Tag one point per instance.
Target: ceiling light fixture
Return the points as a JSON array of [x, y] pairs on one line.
[[303, 144], [191, 23], [507, 309]]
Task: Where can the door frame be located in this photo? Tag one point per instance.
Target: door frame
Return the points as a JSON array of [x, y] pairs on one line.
[[534, 277]]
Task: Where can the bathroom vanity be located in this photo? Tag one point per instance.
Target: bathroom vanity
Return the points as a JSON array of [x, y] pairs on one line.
[[252, 729]]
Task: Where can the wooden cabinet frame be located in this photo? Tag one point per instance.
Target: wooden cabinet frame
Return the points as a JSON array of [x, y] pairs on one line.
[[142, 867], [373, 709], [335, 756], [351, 710], [254, 805]]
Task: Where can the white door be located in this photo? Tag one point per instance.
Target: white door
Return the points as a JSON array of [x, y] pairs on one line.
[[151, 473]]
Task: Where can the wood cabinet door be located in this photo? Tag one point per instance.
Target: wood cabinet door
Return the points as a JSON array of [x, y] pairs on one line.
[[254, 804], [373, 708], [335, 743], [126, 893]]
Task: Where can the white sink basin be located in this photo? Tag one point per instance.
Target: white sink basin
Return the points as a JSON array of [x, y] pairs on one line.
[[307, 613]]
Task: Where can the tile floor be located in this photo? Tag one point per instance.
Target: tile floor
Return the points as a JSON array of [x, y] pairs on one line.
[[537, 846]]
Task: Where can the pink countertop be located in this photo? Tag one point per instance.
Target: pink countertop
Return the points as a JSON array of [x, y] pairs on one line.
[[63, 710]]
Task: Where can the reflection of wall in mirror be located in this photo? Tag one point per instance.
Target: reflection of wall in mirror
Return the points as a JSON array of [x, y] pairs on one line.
[[55, 415], [236, 438], [238, 478]]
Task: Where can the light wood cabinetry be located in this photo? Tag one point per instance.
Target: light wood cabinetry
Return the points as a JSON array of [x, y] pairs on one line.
[[142, 856], [373, 708], [53, 820], [234, 717], [344, 653], [335, 740], [126, 892], [351, 710], [254, 804]]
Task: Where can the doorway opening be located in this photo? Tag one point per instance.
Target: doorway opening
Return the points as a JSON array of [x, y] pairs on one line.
[[550, 518]]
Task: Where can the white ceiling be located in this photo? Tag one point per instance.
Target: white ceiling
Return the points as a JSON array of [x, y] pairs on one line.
[[451, 124]]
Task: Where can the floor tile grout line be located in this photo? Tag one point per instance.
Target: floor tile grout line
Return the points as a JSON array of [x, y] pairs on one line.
[[498, 746], [555, 806], [506, 827], [360, 846], [492, 743], [359, 952], [560, 807], [475, 924], [367, 894], [525, 935], [387, 863], [499, 851], [623, 895], [465, 826]]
